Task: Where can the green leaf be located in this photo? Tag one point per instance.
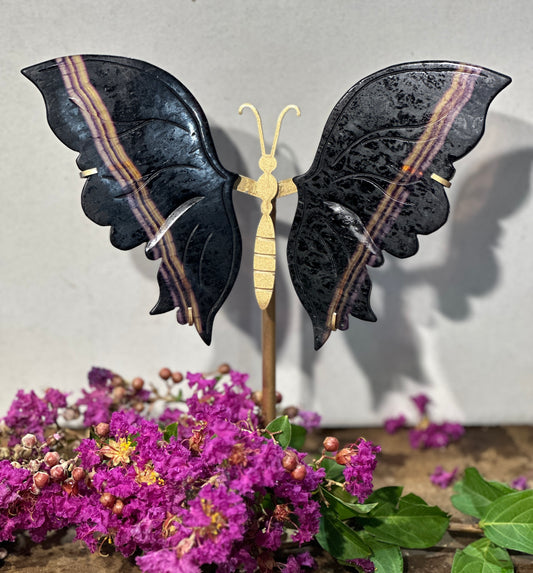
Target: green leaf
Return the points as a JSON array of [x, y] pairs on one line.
[[475, 494], [387, 498], [334, 471], [413, 524], [169, 431], [298, 434], [344, 504], [482, 556], [508, 521], [281, 430], [339, 540], [386, 557]]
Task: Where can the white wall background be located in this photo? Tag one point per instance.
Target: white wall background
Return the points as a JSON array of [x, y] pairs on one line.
[[454, 321]]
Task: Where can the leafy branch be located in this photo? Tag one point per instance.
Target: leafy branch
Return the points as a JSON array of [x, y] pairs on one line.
[[370, 536]]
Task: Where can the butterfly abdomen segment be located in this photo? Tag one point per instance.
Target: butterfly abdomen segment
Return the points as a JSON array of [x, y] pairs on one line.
[[264, 262], [265, 241]]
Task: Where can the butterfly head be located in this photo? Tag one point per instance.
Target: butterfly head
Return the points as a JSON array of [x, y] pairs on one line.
[[267, 163]]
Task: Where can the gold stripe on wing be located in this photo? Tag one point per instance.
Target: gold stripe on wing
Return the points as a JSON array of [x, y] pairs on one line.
[[419, 154], [115, 157]]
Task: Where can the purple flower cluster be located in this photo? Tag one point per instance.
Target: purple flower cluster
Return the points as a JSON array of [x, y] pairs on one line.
[[421, 402], [309, 420], [364, 564], [108, 393], [443, 478], [392, 425], [426, 434], [435, 435], [520, 483], [211, 488], [359, 469], [30, 414], [201, 483]]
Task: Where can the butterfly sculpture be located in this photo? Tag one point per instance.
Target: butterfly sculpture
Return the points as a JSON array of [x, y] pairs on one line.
[[378, 179]]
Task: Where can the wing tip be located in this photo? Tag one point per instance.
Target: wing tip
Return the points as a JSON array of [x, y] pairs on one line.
[[205, 333], [31, 72], [320, 339]]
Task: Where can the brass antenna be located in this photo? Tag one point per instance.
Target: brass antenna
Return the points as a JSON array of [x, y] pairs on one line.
[[278, 125], [259, 124]]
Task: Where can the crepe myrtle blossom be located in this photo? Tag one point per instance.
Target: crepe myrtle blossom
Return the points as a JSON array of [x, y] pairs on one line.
[[200, 484], [426, 434], [421, 402], [360, 462], [392, 425], [443, 478], [520, 483], [30, 414], [435, 435], [365, 565]]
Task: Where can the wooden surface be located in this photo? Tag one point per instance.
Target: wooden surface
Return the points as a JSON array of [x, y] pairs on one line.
[[499, 454]]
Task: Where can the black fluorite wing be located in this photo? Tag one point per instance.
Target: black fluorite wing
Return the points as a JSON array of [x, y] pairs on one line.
[[156, 175], [377, 180]]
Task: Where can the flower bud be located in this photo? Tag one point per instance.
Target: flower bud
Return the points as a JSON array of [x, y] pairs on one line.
[[138, 407], [34, 489], [58, 473], [281, 512], [290, 460], [331, 444], [71, 413], [299, 472], [34, 465], [119, 393], [165, 373], [51, 459], [279, 397], [29, 440], [52, 440], [78, 473], [343, 456], [177, 377], [224, 368], [102, 430], [257, 397], [117, 380], [71, 487], [40, 479], [291, 411], [118, 506], [107, 499], [137, 384]]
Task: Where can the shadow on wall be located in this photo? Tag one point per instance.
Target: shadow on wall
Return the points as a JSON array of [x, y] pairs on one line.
[[389, 350], [470, 269]]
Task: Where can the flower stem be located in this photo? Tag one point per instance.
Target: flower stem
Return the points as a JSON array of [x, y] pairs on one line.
[[465, 528]]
